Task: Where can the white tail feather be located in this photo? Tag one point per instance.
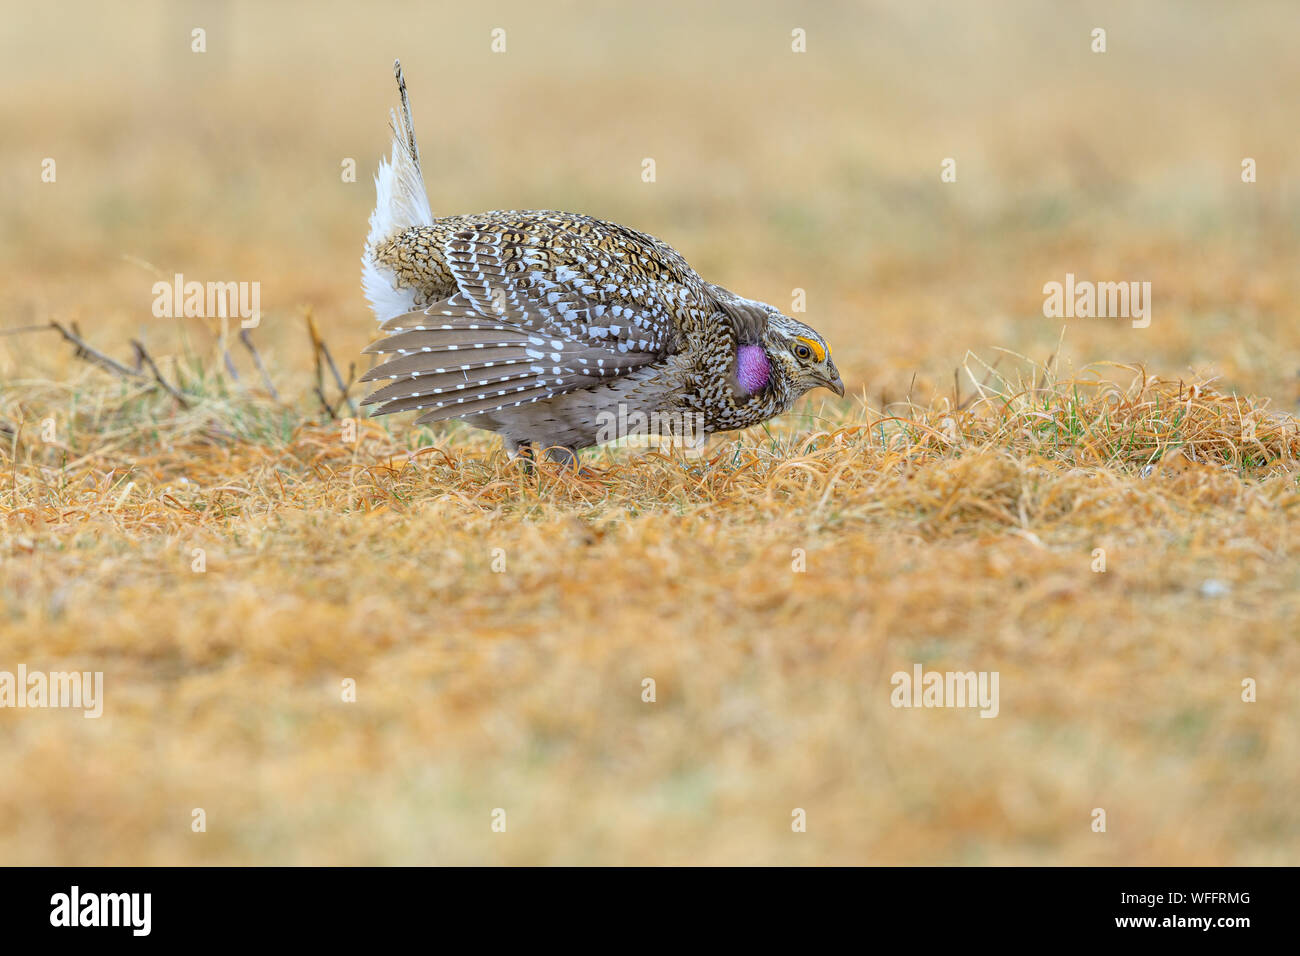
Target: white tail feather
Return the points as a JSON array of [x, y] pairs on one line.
[[400, 203]]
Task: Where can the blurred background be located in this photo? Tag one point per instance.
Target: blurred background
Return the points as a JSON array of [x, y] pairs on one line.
[[775, 171]]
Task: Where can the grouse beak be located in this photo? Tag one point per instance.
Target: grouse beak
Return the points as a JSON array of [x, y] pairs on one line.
[[833, 381]]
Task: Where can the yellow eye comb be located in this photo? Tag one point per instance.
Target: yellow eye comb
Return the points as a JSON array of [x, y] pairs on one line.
[[818, 352]]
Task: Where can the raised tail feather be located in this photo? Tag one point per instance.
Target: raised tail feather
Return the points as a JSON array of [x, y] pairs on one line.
[[401, 202]]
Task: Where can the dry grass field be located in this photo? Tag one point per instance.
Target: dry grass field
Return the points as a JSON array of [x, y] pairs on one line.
[[227, 559]]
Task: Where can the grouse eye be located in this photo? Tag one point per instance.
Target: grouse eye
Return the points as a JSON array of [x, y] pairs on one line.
[[802, 351]]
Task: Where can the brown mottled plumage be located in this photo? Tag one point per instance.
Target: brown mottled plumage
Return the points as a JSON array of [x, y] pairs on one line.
[[552, 328]]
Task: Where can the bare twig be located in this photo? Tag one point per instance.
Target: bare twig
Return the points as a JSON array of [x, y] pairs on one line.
[[321, 348], [338, 379], [247, 339], [314, 334], [27, 328], [142, 355], [85, 351], [230, 363], [352, 377], [324, 402]]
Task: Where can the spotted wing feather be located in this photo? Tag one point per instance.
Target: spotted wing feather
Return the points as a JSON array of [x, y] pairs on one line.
[[566, 286], [453, 361], [541, 308]]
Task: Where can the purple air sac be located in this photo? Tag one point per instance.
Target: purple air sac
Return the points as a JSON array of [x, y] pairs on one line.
[[752, 368]]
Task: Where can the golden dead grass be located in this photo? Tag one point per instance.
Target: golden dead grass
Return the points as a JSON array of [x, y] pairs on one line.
[[499, 625], [513, 677]]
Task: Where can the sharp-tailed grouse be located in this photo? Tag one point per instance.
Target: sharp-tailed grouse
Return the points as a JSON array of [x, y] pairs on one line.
[[555, 330]]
